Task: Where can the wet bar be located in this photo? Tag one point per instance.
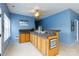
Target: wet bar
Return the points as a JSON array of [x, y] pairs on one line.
[[47, 43]]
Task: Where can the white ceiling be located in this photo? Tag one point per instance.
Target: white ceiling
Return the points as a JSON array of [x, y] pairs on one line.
[[48, 8]]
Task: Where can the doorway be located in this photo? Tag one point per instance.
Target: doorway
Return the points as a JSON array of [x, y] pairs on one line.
[[1, 33]]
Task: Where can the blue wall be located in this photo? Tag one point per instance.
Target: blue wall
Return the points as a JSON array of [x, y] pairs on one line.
[[15, 26], [60, 21]]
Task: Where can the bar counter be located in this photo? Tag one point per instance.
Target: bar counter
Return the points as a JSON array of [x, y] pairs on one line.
[[47, 43]]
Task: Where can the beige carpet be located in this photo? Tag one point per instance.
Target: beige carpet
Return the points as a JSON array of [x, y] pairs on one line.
[[69, 50], [27, 49], [24, 49]]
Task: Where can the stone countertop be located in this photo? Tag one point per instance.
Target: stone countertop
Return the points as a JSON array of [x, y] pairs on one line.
[[40, 34], [45, 35]]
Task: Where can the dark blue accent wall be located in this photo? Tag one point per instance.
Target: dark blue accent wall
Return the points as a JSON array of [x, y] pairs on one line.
[[60, 21], [15, 26]]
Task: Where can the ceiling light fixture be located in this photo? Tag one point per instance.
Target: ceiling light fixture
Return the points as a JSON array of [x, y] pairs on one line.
[[37, 12]]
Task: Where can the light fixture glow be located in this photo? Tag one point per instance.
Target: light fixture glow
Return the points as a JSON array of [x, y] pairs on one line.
[[38, 14]]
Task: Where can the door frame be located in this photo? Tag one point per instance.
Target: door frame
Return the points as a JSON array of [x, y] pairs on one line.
[[0, 38], [2, 34], [77, 30]]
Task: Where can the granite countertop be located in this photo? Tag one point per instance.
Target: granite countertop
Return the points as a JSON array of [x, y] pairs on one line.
[[40, 34], [45, 35]]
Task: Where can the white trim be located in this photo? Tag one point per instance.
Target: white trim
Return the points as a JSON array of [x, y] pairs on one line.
[[77, 34], [0, 33]]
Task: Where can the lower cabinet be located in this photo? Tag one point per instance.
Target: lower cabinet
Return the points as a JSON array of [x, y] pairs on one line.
[[48, 46], [30, 37], [44, 46], [33, 39], [39, 44], [24, 37], [36, 40], [53, 45]]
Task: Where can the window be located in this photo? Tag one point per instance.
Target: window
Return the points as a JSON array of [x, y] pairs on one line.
[[6, 27]]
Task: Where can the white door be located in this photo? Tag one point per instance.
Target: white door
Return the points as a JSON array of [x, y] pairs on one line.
[[0, 30]]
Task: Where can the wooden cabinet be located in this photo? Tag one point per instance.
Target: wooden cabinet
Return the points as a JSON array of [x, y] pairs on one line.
[[48, 46], [39, 43], [36, 40], [27, 37], [30, 37], [24, 37], [33, 39], [44, 46], [53, 45]]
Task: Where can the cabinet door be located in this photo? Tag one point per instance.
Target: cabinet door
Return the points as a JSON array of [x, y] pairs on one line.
[[44, 46], [27, 37], [53, 47], [22, 37], [30, 37], [39, 43], [35, 40]]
